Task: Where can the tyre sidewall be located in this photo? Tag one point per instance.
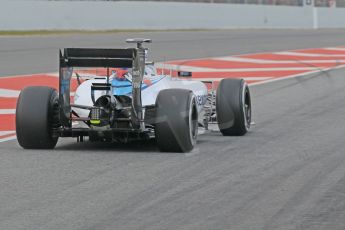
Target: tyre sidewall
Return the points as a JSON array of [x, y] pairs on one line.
[[173, 120], [34, 117], [230, 106]]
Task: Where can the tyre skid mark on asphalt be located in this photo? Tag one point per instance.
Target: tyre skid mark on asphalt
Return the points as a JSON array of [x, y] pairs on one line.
[[256, 69]]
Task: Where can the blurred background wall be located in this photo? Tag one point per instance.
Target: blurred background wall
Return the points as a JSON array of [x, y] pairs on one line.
[[192, 14]]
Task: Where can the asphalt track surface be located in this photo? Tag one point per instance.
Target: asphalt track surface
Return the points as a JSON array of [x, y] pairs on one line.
[[287, 173]]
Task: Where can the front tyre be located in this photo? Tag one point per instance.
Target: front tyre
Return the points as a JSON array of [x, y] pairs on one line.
[[176, 126], [36, 117], [233, 107]]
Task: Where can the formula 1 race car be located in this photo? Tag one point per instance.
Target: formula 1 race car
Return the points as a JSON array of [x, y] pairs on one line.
[[132, 102]]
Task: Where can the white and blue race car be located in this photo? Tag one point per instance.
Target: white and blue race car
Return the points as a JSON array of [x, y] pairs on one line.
[[132, 102]]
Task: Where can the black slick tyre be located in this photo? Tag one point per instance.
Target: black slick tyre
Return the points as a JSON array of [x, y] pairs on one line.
[[176, 127], [233, 107], [36, 116]]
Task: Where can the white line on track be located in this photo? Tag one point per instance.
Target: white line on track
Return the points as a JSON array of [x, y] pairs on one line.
[[9, 93], [262, 61], [7, 111], [309, 54], [52, 74], [220, 78], [335, 48], [3, 133], [8, 138], [15, 93], [234, 70]]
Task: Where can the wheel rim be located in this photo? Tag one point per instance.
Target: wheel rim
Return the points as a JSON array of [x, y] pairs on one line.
[[247, 111], [193, 121]]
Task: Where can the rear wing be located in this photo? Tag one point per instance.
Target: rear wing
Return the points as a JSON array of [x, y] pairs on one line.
[[104, 58]]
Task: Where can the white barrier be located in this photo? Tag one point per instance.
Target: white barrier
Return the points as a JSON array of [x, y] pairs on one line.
[[105, 15]]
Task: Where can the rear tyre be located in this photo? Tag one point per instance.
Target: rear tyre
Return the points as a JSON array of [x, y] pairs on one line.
[[36, 117], [176, 126], [233, 107]]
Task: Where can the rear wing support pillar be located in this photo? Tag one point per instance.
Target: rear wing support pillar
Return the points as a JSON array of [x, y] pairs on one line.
[[137, 79], [65, 75], [139, 60]]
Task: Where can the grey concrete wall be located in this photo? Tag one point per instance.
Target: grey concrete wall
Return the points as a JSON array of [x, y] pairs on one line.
[[331, 18], [48, 15]]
